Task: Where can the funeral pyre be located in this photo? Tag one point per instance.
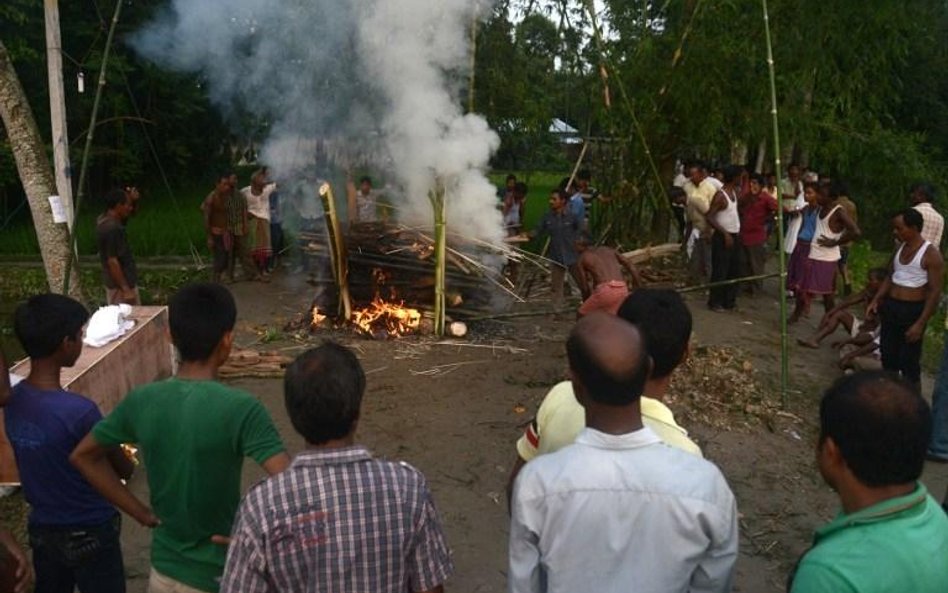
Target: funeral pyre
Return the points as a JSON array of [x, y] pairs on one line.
[[390, 277]]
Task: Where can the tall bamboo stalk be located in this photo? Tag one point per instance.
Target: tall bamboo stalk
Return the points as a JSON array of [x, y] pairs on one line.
[[784, 345], [80, 190], [440, 241], [337, 250]]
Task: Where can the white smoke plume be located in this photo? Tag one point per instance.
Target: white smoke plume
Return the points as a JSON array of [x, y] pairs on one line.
[[380, 77]]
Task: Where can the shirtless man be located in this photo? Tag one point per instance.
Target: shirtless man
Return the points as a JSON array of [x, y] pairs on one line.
[[601, 279]]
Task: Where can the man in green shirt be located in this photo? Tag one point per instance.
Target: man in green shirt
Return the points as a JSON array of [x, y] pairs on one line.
[[891, 535], [194, 433]]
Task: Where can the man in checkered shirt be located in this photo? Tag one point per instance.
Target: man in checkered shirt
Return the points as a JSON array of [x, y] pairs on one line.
[[337, 520]]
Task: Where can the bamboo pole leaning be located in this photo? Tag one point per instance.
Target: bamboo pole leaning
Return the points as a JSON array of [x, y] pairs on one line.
[[784, 342]]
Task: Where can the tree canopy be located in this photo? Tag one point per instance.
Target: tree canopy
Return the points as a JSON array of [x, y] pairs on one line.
[[860, 93]]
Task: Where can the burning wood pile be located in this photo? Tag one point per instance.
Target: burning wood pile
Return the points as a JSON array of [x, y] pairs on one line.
[[391, 281]]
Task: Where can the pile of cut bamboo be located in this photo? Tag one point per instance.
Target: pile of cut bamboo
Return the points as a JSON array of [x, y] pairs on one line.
[[399, 265]]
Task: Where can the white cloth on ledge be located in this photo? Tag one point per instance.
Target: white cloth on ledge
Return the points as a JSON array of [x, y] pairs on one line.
[[108, 324]]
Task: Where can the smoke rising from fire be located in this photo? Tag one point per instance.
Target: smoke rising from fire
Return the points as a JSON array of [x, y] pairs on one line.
[[377, 82]]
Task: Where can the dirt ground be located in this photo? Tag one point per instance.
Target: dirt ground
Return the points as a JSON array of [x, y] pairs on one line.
[[455, 411]]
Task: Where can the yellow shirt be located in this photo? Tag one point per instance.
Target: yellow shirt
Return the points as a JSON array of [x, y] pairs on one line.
[[561, 418]]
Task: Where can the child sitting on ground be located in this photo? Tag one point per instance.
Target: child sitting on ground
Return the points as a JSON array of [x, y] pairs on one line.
[[74, 531], [194, 433], [838, 316], [861, 352]]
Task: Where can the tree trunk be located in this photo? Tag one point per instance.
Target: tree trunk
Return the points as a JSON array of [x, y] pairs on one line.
[[36, 175]]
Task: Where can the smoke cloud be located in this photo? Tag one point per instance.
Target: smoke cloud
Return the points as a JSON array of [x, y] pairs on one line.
[[368, 82]]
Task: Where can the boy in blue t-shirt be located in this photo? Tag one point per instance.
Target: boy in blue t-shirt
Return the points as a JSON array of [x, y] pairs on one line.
[[74, 531]]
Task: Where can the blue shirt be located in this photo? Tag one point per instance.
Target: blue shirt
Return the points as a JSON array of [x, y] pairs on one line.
[[563, 229], [577, 206], [44, 426], [808, 228]]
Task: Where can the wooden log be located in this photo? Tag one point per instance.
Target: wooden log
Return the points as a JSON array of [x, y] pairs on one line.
[[644, 254]]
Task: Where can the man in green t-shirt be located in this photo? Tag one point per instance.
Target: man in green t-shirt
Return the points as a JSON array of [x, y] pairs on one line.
[[194, 433], [890, 535]]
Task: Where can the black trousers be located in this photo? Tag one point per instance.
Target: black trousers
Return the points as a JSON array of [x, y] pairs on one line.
[[84, 558], [898, 355], [725, 265]]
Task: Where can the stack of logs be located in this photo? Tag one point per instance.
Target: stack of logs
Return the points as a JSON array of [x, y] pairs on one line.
[[397, 264]]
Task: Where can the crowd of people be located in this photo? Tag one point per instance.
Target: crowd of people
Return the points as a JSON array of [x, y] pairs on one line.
[[607, 491]]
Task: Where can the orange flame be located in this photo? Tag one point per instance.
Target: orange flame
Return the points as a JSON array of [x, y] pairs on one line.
[[394, 319], [317, 316]]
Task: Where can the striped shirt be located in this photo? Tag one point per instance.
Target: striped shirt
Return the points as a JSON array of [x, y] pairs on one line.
[[338, 521], [236, 212]]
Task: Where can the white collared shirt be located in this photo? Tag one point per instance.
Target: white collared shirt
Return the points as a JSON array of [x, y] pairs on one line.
[[619, 513]]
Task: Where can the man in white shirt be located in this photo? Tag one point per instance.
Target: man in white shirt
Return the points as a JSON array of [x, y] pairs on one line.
[[933, 224], [619, 510]]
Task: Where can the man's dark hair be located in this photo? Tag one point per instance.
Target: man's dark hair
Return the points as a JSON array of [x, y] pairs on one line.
[[879, 274], [697, 164], [45, 320], [665, 322], [322, 391], [115, 197], [559, 192], [584, 175], [199, 315], [731, 173], [225, 174], [926, 189], [880, 425], [758, 179], [564, 184], [521, 188], [912, 217], [511, 177], [365, 179], [606, 386], [837, 188]]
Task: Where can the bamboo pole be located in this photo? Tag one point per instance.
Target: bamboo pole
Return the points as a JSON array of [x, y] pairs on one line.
[[728, 282], [80, 189], [440, 241], [337, 251], [784, 342]]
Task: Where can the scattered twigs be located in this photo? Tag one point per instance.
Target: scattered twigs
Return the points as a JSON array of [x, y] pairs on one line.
[[493, 347], [443, 369]]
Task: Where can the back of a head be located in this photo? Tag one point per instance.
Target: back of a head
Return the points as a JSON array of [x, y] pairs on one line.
[[323, 390], [665, 322], [114, 197], [925, 190], [838, 188], [608, 357], [45, 320], [880, 425], [521, 188], [731, 173], [199, 315]]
